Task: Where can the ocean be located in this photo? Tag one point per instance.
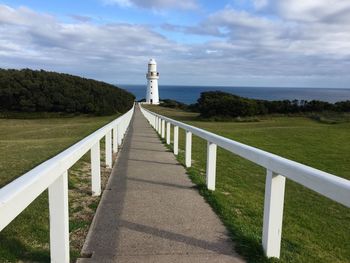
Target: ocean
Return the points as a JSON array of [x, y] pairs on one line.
[[190, 94]]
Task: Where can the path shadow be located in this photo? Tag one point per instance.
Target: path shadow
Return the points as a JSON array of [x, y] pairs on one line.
[[155, 142], [148, 150], [191, 241], [155, 162], [104, 236], [161, 183]]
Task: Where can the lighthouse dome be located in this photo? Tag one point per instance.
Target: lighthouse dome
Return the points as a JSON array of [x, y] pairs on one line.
[[152, 61]]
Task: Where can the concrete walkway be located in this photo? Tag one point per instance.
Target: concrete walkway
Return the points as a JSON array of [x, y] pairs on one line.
[[151, 212]]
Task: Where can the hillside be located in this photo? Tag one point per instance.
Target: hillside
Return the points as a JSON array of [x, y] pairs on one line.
[[218, 103], [42, 91]]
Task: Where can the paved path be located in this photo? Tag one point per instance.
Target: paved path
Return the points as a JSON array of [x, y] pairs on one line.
[[151, 212]]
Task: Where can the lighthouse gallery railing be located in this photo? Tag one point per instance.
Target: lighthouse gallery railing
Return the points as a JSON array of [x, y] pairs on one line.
[[53, 175], [278, 169]]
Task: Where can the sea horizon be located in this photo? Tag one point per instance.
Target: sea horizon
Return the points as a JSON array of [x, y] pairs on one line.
[[192, 92]]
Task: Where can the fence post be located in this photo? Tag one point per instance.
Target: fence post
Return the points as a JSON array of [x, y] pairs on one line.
[[273, 214], [211, 165], [176, 140], [108, 149], [159, 125], [115, 139], [120, 133], [95, 169], [168, 133], [188, 148], [163, 129], [59, 219]]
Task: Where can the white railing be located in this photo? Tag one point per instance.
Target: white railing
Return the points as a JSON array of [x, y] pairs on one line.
[[278, 169], [53, 175]]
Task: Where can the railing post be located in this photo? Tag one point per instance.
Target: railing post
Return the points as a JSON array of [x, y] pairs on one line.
[[115, 140], [159, 125], [211, 165], [168, 133], [163, 129], [95, 169], [188, 149], [120, 135], [108, 149], [122, 127], [273, 214], [59, 219], [176, 140]]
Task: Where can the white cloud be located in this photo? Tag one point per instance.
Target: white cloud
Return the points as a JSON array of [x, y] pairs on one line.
[[110, 51], [156, 4], [258, 4], [123, 3], [327, 11], [248, 48]]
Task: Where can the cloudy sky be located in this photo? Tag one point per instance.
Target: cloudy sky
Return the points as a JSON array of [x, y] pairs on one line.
[[292, 43]]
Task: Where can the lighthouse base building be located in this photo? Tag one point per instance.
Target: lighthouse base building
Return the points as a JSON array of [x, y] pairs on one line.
[[152, 76]]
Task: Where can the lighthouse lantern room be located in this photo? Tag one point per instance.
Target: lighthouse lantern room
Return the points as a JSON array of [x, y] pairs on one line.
[[152, 95]]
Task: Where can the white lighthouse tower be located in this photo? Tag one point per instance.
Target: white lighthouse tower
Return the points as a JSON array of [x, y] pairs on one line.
[[152, 95]]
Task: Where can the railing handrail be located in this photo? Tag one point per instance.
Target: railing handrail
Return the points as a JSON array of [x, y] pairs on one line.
[[18, 194], [277, 170], [338, 189], [68, 156]]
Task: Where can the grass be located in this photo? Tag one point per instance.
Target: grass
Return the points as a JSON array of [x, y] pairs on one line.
[[315, 229], [23, 145]]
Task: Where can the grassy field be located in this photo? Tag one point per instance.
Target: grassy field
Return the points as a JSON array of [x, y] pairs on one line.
[[315, 229], [25, 144]]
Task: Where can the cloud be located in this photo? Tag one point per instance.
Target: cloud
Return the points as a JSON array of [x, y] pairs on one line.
[[246, 48], [156, 4], [30, 39], [256, 44], [326, 11], [81, 18], [256, 32], [258, 4]]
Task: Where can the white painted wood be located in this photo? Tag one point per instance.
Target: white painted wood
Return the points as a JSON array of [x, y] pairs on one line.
[[159, 126], [52, 174], [163, 129], [211, 165], [120, 133], [329, 185], [188, 151], [59, 219], [96, 169], [108, 149], [168, 132], [115, 140], [156, 123], [176, 140], [273, 214]]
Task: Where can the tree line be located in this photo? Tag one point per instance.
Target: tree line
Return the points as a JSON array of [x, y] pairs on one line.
[[42, 91], [218, 103]]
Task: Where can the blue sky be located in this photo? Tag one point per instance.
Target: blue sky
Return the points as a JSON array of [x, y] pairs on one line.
[[234, 43]]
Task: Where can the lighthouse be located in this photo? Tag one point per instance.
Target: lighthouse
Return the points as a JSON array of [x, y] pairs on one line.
[[152, 76]]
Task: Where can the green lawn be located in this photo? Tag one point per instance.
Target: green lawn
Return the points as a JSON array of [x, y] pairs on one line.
[[25, 144], [315, 229]]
